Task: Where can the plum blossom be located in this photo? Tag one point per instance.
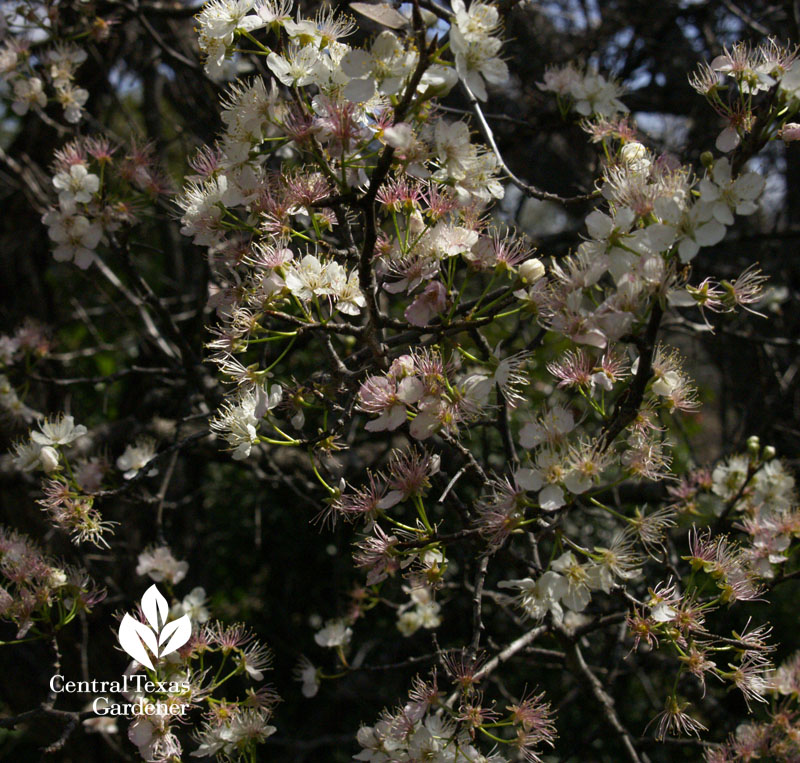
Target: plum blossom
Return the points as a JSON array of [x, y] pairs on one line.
[[159, 564], [76, 184]]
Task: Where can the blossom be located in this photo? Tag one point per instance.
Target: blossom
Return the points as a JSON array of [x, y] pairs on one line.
[[538, 597], [381, 69], [545, 478], [136, 457], [61, 430], [238, 418], [75, 235], [193, 605], [159, 564], [673, 720], [550, 427], [726, 195], [152, 735], [335, 633], [433, 300], [72, 100], [26, 456], [28, 92], [477, 61], [76, 184], [577, 593], [591, 92], [308, 675], [219, 19], [298, 66], [689, 228], [311, 277]]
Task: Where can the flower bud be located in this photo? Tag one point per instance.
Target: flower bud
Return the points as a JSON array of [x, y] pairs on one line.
[[56, 577], [790, 132], [635, 155], [531, 270], [753, 445], [769, 453], [632, 151], [707, 159], [48, 458]]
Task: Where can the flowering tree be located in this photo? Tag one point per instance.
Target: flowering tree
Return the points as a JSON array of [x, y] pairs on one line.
[[327, 362]]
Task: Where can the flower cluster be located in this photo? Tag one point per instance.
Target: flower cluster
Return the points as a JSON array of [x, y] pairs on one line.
[[588, 92], [367, 297], [91, 211], [36, 591], [737, 84], [25, 76], [419, 730], [570, 583], [423, 385], [183, 692]]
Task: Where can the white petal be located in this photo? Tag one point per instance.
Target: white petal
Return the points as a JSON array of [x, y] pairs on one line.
[[551, 498], [359, 90], [356, 63], [727, 140]]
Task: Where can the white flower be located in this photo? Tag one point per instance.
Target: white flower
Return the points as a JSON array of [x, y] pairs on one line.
[[202, 213], [382, 69], [577, 594], [636, 157], [28, 92], [220, 18], [26, 456], [476, 22], [728, 478], [724, 195], [409, 622], [531, 270], [308, 675], [335, 633], [594, 94], [159, 564], [75, 235], [544, 478], [237, 420], [347, 292], [551, 427], [298, 66], [72, 100], [150, 733], [477, 60], [58, 431], [136, 457], [8, 58], [689, 228], [63, 61], [193, 605], [48, 458], [561, 80], [273, 11], [76, 184], [774, 487], [309, 278], [538, 597]]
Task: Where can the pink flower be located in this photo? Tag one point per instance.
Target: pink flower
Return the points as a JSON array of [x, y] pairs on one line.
[[432, 301]]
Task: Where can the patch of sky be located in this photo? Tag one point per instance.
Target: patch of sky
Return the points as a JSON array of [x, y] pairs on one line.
[[571, 16], [771, 164], [670, 130], [123, 80]]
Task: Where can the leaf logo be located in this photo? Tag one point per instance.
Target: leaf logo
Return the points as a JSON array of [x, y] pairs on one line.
[[159, 637]]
